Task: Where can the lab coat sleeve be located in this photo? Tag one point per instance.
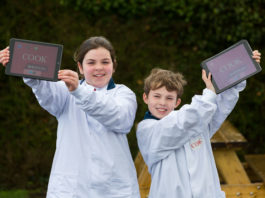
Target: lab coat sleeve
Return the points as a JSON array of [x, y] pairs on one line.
[[225, 102], [51, 96], [158, 138], [115, 111]]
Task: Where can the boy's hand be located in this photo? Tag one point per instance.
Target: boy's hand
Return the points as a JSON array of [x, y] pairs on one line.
[[207, 80], [70, 78], [4, 56], [256, 56]]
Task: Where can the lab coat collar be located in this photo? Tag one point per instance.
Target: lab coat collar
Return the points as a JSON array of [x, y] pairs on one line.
[[148, 115]]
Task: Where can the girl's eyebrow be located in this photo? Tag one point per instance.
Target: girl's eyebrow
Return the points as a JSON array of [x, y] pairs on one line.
[[106, 59], [90, 59]]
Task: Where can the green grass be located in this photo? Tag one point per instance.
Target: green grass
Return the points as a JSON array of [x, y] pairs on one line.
[[14, 194]]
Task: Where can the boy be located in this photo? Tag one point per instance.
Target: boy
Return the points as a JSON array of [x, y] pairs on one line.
[[176, 144]]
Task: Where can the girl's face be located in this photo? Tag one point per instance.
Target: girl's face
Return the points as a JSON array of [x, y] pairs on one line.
[[97, 67]]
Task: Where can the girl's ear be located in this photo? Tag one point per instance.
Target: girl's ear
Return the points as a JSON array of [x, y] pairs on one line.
[[178, 102], [80, 68], [145, 98], [114, 63]]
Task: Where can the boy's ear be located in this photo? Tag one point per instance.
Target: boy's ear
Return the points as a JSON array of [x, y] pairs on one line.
[[80, 68], [145, 98], [178, 102]]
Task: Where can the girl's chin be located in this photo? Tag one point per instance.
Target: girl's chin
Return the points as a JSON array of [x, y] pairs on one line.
[[100, 83]]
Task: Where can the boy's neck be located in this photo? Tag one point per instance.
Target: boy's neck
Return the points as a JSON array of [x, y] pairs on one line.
[[148, 115]]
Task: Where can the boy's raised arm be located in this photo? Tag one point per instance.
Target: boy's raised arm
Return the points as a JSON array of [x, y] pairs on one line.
[[227, 100]]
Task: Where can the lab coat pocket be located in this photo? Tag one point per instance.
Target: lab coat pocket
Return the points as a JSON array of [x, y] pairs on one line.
[[61, 185], [101, 171]]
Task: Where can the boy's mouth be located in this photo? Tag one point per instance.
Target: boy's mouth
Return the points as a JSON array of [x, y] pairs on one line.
[[161, 109]]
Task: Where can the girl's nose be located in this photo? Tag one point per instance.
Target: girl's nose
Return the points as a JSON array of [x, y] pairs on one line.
[[99, 66]]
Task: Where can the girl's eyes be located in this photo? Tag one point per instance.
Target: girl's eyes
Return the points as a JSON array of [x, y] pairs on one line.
[[104, 63], [170, 98]]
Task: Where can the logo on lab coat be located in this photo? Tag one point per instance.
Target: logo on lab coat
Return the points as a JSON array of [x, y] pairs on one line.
[[196, 142]]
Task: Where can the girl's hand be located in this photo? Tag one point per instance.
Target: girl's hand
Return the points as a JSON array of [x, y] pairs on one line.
[[4, 56], [70, 78], [207, 80], [256, 56]]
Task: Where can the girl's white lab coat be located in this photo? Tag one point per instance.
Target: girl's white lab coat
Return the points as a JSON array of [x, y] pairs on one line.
[[92, 157], [177, 148]]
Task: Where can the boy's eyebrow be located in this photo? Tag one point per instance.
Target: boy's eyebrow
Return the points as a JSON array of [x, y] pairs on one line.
[[171, 95]]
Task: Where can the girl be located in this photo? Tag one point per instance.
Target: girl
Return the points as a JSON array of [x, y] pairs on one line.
[[92, 157]]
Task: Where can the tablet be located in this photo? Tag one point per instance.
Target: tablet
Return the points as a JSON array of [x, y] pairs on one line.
[[231, 66], [33, 59]]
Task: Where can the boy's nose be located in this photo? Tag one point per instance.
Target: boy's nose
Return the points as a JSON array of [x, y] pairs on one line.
[[162, 102]]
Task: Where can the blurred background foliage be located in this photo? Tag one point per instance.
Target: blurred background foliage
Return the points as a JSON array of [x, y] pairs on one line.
[[170, 34]]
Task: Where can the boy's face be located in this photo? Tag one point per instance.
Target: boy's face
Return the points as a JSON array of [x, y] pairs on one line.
[[161, 102], [97, 67]]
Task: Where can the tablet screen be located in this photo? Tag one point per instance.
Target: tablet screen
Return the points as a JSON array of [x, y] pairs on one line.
[[231, 66], [34, 59]]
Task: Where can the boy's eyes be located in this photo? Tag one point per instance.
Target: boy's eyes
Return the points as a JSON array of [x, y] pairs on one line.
[[169, 98]]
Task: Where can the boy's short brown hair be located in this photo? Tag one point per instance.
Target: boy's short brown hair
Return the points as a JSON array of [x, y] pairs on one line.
[[160, 78]]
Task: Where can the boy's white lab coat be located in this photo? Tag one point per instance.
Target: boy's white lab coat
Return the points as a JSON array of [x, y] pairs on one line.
[[92, 158], [177, 148]]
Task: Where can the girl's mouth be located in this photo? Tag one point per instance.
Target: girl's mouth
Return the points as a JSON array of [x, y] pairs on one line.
[[99, 75]]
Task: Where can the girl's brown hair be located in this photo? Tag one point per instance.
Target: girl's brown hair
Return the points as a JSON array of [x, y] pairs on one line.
[[94, 43]]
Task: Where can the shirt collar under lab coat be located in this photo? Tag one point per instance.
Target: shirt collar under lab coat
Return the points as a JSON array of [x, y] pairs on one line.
[[148, 115], [110, 85]]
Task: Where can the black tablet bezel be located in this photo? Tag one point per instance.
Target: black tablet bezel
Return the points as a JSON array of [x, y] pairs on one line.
[[249, 52], [56, 68]]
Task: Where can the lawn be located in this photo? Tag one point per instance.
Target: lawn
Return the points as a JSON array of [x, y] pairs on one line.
[[14, 194]]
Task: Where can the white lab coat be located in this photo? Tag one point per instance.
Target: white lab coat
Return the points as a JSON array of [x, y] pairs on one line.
[[177, 148], [92, 157]]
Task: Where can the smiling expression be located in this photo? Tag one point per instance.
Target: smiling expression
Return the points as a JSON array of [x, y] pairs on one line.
[[97, 67], [161, 101]]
